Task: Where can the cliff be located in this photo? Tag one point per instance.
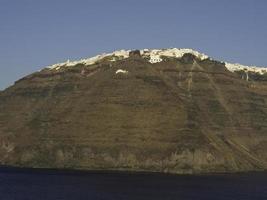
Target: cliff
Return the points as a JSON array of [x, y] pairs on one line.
[[125, 111]]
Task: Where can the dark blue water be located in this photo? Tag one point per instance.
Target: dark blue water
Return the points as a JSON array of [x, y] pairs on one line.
[[18, 184]]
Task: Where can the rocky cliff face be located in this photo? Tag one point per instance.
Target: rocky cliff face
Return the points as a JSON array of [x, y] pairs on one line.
[[186, 114]]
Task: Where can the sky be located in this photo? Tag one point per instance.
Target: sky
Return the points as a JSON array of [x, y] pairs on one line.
[[37, 33]]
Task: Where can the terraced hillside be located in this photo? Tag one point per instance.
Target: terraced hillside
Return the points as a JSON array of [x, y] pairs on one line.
[[178, 114]]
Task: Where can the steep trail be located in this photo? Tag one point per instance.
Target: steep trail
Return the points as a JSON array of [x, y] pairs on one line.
[[234, 146]]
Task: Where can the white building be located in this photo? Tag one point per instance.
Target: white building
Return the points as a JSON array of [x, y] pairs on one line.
[[155, 59]]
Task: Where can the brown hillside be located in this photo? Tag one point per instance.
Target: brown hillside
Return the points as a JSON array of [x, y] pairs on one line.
[[180, 115]]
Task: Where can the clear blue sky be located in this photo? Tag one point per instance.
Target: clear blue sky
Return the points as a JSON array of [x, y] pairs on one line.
[[36, 33]]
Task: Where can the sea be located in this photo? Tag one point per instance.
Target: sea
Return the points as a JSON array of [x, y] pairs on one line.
[[44, 184]]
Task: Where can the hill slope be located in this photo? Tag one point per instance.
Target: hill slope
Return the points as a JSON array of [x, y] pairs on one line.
[[169, 110]]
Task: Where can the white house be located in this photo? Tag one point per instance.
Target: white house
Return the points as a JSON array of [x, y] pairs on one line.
[[155, 59], [121, 71]]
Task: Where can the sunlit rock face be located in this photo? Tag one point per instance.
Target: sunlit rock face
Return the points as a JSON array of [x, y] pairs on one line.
[[168, 110]]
